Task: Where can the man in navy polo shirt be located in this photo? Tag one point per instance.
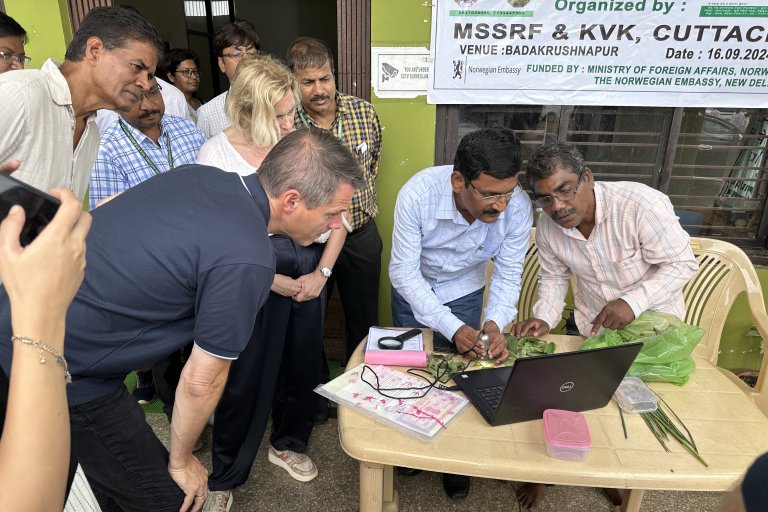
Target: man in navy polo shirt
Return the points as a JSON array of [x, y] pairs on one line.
[[184, 256]]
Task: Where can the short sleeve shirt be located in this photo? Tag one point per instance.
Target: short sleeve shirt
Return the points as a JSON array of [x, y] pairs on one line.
[[182, 257]]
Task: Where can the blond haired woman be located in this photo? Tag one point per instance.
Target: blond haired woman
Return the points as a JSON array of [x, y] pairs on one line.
[[281, 365]]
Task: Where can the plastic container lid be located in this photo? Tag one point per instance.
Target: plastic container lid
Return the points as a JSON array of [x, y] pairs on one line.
[[566, 429], [633, 395]]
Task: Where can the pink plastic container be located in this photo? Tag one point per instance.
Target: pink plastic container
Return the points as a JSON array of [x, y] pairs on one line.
[[566, 434]]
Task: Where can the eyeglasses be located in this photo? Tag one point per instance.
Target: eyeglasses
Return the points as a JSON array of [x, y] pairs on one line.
[[562, 195], [11, 58], [153, 94], [290, 114], [238, 54], [186, 73], [490, 199]]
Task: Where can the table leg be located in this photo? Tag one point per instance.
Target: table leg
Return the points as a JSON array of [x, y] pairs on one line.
[[632, 500], [388, 483], [376, 488]]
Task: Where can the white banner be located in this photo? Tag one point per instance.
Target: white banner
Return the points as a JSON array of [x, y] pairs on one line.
[[565, 52]]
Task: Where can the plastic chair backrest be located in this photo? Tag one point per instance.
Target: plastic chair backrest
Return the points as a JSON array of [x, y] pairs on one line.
[[724, 272]]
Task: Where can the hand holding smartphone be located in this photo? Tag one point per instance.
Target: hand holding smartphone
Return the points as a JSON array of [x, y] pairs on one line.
[[39, 207]]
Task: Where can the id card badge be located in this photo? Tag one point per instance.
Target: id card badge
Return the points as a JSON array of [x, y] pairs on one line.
[[362, 148]]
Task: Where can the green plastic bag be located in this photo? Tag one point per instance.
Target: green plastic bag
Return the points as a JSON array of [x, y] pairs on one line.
[[667, 346]]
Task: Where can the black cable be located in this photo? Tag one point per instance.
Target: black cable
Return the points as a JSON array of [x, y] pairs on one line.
[[442, 369]]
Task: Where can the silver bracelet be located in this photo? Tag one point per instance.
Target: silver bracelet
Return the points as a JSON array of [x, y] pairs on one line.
[[42, 348]]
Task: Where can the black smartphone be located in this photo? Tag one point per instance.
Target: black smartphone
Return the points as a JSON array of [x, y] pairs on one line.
[[39, 207]]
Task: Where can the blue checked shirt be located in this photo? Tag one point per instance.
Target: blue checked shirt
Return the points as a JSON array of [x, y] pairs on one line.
[[119, 166]]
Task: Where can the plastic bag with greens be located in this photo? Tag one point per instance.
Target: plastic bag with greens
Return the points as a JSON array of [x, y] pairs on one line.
[[667, 346]]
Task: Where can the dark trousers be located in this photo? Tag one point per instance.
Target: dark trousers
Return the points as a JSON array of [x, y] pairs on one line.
[[126, 464], [357, 273], [468, 309], [166, 374], [279, 368]]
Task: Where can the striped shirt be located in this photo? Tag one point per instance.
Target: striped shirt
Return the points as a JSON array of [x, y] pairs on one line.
[[437, 256], [119, 166], [358, 127], [212, 117], [637, 252]]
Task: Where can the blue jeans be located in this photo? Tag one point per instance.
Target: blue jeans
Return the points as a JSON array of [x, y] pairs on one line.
[[125, 462], [468, 309]]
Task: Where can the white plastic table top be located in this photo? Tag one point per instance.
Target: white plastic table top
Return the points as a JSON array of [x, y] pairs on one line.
[[729, 430]]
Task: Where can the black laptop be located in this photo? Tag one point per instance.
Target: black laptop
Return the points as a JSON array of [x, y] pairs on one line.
[[574, 381]]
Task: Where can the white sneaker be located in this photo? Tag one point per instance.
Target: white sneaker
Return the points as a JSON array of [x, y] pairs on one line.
[[298, 465], [218, 501]]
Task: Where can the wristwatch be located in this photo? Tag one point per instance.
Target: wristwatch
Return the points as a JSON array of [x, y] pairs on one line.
[[325, 271]]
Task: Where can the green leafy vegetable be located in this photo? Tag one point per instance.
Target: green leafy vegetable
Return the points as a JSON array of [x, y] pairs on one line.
[[442, 366], [526, 347]]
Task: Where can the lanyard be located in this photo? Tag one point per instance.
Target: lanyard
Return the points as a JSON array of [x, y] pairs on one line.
[[141, 151], [339, 132]]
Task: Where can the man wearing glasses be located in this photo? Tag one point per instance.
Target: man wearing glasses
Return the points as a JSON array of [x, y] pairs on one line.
[[621, 240], [13, 37], [231, 43], [449, 222], [142, 143]]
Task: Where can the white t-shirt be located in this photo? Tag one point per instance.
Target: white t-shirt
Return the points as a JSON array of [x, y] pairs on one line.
[[219, 152]]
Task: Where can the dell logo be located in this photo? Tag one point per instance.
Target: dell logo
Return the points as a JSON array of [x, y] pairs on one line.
[[566, 387]]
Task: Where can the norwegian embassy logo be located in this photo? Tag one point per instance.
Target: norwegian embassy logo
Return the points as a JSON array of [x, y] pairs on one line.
[[458, 69]]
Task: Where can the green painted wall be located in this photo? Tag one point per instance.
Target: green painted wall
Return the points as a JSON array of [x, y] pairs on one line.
[[408, 125], [47, 25]]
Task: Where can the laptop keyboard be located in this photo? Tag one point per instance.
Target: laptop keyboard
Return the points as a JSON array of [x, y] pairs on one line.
[[491, 395]]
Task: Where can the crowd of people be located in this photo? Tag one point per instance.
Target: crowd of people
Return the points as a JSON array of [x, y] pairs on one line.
[[217, 231]]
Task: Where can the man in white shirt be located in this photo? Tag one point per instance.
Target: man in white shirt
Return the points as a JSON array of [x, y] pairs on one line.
[[231, 43], [47, 112], [449, 222], [622, 241]]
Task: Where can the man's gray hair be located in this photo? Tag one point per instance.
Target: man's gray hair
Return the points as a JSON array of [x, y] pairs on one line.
[[314, 163], [547, 159], [117, 27]]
